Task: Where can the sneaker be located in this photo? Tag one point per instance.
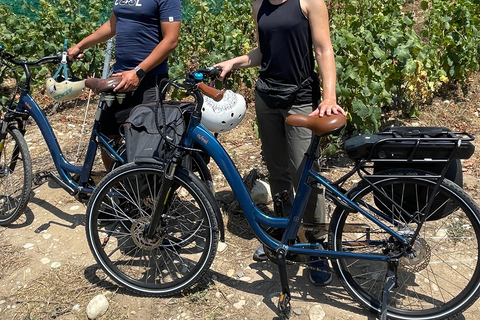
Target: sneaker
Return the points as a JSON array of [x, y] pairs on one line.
[[259, 254], [317, 277]]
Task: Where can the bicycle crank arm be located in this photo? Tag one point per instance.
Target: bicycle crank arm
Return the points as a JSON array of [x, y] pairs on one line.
[[42, 177]]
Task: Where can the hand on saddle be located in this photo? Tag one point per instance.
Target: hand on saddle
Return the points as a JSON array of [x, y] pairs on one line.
[[328, 107], [129, 81]]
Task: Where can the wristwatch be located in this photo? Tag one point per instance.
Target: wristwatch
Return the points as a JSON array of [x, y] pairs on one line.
[[140, 72]]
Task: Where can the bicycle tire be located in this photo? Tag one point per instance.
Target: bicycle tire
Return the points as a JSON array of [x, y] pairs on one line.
[[200, 168], [186, 241], [196, 164], [15, 177], [441, 280]]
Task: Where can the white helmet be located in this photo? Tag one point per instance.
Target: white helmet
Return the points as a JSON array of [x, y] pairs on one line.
[[223, 115], [65, 90]]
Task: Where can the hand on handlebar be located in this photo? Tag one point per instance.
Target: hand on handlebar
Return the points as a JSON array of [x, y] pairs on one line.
[[226, 67], [75, 54]]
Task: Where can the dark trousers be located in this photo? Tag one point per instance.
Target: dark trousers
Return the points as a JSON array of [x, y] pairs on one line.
[[283, 149]]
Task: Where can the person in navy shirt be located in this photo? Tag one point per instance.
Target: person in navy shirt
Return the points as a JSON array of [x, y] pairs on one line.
[[146, 32]]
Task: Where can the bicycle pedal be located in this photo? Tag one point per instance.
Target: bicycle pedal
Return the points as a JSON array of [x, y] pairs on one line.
[[40, 178]]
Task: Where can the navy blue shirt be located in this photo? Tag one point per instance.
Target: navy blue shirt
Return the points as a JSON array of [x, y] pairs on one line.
[[138, 30]]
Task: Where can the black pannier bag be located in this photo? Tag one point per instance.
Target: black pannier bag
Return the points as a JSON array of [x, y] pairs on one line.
[[420, 148], [145, 132]]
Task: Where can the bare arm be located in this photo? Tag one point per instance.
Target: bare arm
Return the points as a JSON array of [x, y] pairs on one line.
[[251, 59], [317, 15], [170, 32], [105, 32]]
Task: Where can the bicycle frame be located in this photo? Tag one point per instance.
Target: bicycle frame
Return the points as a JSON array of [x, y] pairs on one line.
[[64, 168], [196, 132]]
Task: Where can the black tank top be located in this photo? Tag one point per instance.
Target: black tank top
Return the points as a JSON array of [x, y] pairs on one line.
[[286, 44]]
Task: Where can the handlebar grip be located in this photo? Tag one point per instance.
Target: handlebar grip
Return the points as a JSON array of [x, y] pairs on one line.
[[213, 93]]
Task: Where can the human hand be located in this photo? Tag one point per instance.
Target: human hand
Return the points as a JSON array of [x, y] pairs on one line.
[[129, 81], [74, 53], [327, 107], [226, 69]]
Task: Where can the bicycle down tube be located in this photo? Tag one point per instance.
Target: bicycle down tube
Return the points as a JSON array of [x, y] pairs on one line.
[[62, 165], [291, 225]]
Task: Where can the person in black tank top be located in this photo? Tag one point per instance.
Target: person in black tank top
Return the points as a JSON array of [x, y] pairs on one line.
[[292, 35]]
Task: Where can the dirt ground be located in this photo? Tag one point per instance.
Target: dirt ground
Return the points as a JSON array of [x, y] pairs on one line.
[[48, 272]]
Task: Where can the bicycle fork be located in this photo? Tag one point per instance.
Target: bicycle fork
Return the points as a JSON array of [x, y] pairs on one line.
[[16, 151], [3, 135], [162, 200]]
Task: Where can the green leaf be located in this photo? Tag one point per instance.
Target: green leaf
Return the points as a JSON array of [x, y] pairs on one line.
[[378, 53], [402, 54], [424, 5]]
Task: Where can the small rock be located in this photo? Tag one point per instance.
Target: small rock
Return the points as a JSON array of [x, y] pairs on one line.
[[316, 313], [55, 265], [230, 273], [97, 307], [240, 274], [239, 304], [76, 307], [45, 261], [221, 246], [297, 311], [28, 245]]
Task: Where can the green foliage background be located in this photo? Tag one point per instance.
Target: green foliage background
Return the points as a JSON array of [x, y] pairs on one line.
[[384, 59]]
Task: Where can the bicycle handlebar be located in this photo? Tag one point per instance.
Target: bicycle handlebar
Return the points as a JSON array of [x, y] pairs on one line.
[[48, 59], [194, 81]]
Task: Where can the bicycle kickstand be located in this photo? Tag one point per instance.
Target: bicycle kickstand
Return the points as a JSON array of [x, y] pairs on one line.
[[390, 283], [284, 306]]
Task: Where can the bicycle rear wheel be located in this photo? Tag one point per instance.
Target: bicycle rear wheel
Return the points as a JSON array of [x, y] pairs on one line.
[[15, 177], [186, 240], [442, 278]]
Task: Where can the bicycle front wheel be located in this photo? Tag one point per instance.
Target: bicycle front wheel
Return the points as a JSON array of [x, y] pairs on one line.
[[119, 213], [15, 177], [441, 277]]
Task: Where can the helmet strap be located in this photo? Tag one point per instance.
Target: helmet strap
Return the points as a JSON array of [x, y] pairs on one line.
[[64, 66]]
